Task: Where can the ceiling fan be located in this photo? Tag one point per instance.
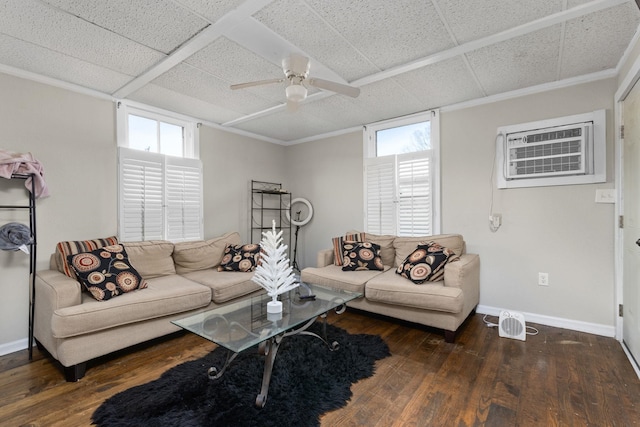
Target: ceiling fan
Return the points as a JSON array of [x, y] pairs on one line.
[[296, 71]]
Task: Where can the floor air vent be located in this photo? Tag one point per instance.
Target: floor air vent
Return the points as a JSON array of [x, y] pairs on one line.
[[512, 325]]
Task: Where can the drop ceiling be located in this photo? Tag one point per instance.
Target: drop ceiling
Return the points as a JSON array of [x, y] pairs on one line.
[[406, 56]]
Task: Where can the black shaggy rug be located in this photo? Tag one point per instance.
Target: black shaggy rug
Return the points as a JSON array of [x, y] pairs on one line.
[[308, 380]]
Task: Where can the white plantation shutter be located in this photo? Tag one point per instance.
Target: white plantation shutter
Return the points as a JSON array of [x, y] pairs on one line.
[[399, 194], [380, 194], [141, 194], [184, 199], [415, 207], [402, 175], [160, 197]]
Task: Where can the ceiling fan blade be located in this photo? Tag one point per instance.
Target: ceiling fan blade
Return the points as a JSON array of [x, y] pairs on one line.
[[256, 83], [335, 87]]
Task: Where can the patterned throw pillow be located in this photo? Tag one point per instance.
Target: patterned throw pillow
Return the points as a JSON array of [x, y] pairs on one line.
[[337, 245], [106, 272], [426, 262], [359, 256], [240, 257], [64, 249]]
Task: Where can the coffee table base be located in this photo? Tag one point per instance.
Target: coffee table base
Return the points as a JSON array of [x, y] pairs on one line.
[[269, 349]]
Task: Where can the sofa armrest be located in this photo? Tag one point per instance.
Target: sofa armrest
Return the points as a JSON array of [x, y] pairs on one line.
[[57, 290], [325, 257], [54, 290], [465, 274]]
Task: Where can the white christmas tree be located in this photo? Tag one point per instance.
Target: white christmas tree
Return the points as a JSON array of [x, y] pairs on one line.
[[274, 272]]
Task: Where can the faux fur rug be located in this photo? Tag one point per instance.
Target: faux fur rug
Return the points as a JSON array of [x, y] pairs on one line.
[[308, 380]]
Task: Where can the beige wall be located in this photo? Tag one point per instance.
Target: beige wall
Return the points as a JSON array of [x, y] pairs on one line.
[[73, 135], [230, 162], [557, 230], [328, 173]]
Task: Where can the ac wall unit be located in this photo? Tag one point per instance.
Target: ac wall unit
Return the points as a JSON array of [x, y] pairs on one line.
[[511, 324], [562, 150], [566, 150]]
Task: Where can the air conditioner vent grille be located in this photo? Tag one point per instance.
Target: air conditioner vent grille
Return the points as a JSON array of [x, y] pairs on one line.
[[554, 135], [552, 149], [550, 152]]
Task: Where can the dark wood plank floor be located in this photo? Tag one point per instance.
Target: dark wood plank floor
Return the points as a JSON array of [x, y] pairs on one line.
[[557, 378]]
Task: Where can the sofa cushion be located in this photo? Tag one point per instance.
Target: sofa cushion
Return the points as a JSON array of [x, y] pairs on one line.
[[224, 285], [387, 252], [337, 245], [241, 258], [405, 245], [390, 288], [359, 256], [332, 276], [164, 296], [202, 254], [151, 258], [64, 249], [425, 263], [106, 272]]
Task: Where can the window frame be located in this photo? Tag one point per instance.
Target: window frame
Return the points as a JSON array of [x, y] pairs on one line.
[[370, 158], [190, 125], [167, 166]]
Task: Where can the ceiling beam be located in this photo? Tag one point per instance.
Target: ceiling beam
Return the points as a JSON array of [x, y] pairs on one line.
[[195, 44]]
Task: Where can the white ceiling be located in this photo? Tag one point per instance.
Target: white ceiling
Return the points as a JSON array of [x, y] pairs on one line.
[[406, 55]]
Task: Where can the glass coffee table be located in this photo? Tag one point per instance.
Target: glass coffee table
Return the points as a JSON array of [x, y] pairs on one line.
[[241, 325]]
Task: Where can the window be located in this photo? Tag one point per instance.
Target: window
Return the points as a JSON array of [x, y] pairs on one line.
[[401, 179], [160, 177]]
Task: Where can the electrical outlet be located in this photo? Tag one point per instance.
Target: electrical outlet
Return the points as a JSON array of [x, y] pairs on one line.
[[543, 279]]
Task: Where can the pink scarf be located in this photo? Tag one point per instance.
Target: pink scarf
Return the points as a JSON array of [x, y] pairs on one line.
[[24, 164]]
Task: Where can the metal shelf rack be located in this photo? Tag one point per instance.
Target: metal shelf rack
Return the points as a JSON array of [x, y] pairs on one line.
[[269, 201], [31, 207]]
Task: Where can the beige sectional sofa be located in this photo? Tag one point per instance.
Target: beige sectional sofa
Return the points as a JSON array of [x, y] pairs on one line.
[[444, 304], [181, 278]]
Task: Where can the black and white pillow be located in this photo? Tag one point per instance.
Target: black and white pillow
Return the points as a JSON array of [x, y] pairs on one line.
[[242, 258], [106, 272], [426, 263], [357, 256]]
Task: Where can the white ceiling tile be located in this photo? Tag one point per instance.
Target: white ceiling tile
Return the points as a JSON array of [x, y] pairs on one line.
[[33, 58], [473, 19], [233, 63], [597, 41], [286, 125], [40, 24], [158, 24], [386, 99], [387, 33], [170, 100], [211, 9], [443, 83], [198, 84], [519, 62], [340, 111], [296, 22]]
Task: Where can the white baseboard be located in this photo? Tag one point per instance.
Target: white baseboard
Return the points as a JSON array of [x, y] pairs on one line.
[[632, 360], [557, 322], [12, 347]]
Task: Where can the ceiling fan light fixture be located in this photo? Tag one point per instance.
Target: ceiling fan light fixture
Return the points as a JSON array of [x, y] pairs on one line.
[[296, 92]]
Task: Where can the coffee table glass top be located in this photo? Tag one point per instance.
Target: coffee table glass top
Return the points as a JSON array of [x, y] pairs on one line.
[[245, 323]]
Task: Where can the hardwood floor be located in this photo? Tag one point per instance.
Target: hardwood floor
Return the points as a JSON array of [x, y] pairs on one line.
[[557, 378]]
